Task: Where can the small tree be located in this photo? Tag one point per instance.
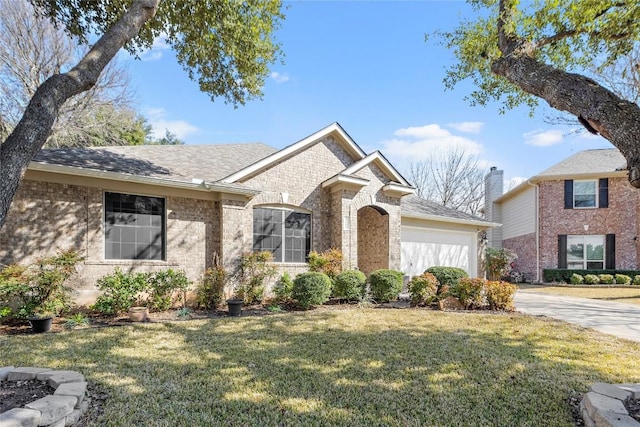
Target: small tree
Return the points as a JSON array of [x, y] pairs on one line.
[[497, 262], [255, 270], [328, 262]]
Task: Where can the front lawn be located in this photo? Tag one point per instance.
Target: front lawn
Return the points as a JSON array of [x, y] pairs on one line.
[[333, 366], [630, 295]]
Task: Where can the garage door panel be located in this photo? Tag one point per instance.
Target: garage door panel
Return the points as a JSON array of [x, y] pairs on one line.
[[421, 249]]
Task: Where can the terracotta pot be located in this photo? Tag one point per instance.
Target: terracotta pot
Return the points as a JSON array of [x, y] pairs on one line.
[[138, 314]]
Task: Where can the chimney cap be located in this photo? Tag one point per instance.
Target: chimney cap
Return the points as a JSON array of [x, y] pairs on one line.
[[493, 168]]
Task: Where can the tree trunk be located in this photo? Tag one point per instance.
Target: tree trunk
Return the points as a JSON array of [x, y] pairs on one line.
[[34, 128]]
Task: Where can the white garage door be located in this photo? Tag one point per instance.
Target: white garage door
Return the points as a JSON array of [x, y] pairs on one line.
[[422, 248]]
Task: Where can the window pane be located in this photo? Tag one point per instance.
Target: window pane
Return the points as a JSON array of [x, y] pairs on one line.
[[132, 224], [584, 194], [575, 249], [595, 247], [595, 265], [267, 231]]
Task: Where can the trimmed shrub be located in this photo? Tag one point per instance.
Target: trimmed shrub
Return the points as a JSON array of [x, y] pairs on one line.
[[623, 279], [636, 280], [350, 285], [577, 279], [328, 262], [210, 290], [163, 286], [606, 279], [500, 295], [311, 288], [564, 275], [469, 292], [385, 284], [591, 279], [283, 289], [423, 289], [446, 276], [120, 291]]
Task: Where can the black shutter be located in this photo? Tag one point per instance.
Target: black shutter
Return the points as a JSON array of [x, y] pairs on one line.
[[562, 251], [610, 255], [603, 189], [568, 194]]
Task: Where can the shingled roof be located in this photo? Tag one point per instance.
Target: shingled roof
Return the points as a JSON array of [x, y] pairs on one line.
[[414, 206], [588, 162], [177, 162]]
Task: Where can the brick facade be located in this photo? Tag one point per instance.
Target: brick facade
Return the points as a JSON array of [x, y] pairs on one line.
[[525, 248], [620, 218], [46, 216]]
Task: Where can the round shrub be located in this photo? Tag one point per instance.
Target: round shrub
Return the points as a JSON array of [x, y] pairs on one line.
[[446, 276], [385, 285], [469, 291], [423, 289], [636, 280], [606, 279], [623, 279], [576, 279], [120, 291], [591, 279], [500, 295], [311, 288], [350, 285]]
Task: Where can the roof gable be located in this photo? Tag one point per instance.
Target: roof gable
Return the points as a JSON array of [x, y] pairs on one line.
[[382, 163], [587, 162], [333, 129]]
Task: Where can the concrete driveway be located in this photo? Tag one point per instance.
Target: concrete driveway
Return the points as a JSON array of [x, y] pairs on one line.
[[622, 320]]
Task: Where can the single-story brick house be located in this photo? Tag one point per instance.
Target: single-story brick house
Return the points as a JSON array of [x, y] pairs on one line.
[[580, 213], [148, 207]]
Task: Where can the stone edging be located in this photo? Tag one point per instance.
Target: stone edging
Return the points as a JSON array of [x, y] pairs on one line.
[[62, 408], [603, 405]]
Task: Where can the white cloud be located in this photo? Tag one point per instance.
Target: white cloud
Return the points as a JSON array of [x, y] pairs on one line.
[[543, 138], [157, 49], [417, 143], [469, 127], [160, 124], [279, 77]]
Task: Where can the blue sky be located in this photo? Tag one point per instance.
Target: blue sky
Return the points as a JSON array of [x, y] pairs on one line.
[[366, 65]]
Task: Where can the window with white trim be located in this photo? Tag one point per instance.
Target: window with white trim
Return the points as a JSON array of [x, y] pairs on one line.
[[586, 252], [585, 194], [134, 227], [283, 232]]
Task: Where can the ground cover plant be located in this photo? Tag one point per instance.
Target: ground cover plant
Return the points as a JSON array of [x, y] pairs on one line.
[[629, 295], [336, 366]]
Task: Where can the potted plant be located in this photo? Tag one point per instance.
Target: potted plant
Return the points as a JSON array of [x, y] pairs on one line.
[[38, 292]]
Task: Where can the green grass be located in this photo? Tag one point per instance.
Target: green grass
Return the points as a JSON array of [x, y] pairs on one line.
[[629, 295], [356, 367]]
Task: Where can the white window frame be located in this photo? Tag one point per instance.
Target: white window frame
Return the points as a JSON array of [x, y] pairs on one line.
[[596, 193], [585, 260]]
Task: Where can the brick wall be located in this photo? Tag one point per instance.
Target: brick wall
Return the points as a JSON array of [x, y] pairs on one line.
[[45, 217], [525, 248], [373, 240], [620, 218]]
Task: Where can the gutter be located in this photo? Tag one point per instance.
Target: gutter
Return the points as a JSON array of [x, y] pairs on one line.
[[195, 184]]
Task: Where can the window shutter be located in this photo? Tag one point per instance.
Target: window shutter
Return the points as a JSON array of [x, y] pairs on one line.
[[568, 194], [562, 251], [603, 189], [610, 255]]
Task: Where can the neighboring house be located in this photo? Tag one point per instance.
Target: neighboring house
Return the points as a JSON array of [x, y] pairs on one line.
[[581, 213], [148, 207]]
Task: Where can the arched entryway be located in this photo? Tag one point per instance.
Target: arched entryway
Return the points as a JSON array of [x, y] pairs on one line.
[[373, 239]]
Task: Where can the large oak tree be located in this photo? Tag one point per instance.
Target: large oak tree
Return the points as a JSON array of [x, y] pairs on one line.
[[518, 53], [224, 45]]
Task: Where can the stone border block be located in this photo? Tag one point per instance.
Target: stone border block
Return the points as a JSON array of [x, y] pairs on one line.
[[25, 373], [603, 405], [613, 419], [76, 390], [20, 417], [70, 377], [44, 376], [53, 408], [4, 372], [611, 390]]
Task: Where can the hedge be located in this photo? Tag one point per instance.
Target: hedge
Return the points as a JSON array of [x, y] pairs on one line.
[[564, 275]]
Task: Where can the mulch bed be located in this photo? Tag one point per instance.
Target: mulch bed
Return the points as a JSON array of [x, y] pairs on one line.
[[16, 394]]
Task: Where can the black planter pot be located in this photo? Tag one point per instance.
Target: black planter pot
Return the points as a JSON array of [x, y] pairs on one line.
[[235, 307], [40, 324]]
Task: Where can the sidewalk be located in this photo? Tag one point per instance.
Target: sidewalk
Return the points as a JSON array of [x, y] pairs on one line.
[[621, 320]]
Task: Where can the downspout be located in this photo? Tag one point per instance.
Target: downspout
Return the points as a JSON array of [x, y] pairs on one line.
[[537, 226]]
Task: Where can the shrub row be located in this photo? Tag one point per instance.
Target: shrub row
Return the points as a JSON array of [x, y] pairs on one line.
[[603, 279], [564, 275], [478, 293]]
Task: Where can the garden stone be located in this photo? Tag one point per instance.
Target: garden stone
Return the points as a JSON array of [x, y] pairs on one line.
[[20, 417], [594, 402], [60, 423], [25, 373], [613, 419], [53, 408], [633, 388], [4, 372], [76, 390], [72, 377], [44, 376], [611, 391]]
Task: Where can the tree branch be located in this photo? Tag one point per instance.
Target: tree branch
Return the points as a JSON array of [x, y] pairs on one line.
[[34, 128]]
